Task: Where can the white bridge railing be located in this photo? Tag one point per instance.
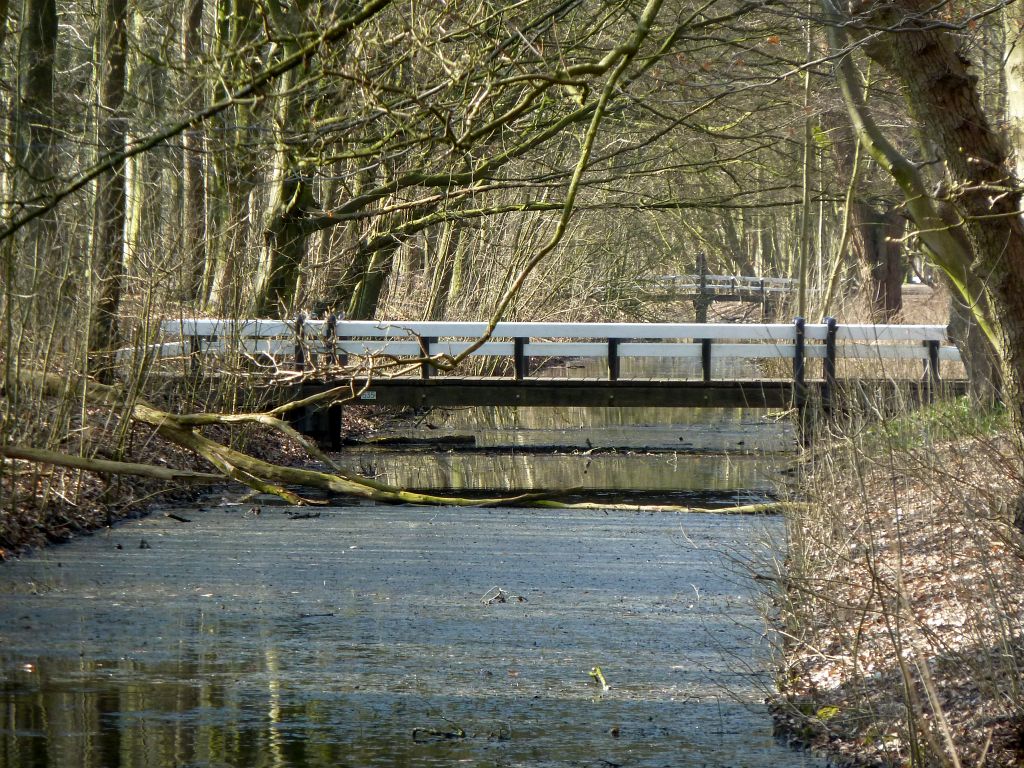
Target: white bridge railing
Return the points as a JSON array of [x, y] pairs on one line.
[[798, 341]]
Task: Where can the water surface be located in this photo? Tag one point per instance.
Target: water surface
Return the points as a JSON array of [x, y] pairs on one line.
[[364, 638]]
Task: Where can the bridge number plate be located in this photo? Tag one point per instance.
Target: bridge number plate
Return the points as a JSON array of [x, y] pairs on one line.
[[368, 395]]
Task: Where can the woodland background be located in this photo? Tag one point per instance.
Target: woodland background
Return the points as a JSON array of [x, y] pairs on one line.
[[401, 160]]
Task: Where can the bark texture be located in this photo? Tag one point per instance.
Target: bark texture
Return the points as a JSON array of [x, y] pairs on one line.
[[875, 239], [108, 230], [942, 95]]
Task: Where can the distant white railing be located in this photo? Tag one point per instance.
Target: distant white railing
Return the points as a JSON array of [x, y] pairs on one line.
[[736, 284], [797, 341]]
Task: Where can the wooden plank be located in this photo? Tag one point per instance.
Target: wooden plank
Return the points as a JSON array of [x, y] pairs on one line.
[[787, 282], [753, 351], [565, 349], [891, 332], [472, 330], [157, 351], [488, 348], [883, 352], [771, 331]]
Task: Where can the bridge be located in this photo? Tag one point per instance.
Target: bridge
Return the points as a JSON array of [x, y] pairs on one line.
[[402, 363], [723, 287]]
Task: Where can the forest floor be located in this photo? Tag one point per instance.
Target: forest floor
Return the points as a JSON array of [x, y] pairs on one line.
[[904, 604]]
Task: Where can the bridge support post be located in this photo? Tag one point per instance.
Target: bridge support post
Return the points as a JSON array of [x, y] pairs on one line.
[[613, 359], [519, 358], [705, 359], [829, 367]]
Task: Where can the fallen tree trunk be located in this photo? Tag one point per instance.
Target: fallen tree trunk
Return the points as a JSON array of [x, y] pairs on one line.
[[764, 508], [260, 475], [42, 456], [266, 477]]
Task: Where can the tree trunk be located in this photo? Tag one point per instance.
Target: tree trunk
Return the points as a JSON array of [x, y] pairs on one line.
[[737, 256], [193, 212], [109, 216], [366, 296], [233, 172], [36, 67], [1013, 68], [445, 247], [875, 239], [986, 195], [291, 198], [982, 366]]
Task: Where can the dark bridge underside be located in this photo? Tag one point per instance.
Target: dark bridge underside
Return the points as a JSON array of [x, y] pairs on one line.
[[443, 392]]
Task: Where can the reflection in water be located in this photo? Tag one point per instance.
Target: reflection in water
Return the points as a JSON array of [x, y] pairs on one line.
[[620, 449], [665, 472]]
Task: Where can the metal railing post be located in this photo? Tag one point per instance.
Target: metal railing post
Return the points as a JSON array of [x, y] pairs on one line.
[[613, 359], [933, 367], [425, 343], [195, 350], [300, 351], [705, 359], [520, 361]]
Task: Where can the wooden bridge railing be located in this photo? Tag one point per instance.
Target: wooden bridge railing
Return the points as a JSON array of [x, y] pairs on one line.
[[798, 341]]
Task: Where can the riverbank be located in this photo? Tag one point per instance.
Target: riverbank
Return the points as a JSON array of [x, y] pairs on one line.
[[46, 504], [903, 602]]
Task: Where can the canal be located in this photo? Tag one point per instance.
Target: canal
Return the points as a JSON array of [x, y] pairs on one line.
[[256, 635]]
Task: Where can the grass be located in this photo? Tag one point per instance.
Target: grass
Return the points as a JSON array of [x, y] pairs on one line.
[[939, 422]]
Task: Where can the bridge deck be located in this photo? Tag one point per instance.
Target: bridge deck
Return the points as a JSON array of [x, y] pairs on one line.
[[451, 391]]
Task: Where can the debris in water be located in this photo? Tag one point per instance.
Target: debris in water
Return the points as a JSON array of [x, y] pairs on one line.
[[598, 676], [420, 735], [499, 595]]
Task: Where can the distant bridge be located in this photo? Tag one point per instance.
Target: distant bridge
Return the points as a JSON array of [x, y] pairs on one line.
[[724, 287], [906, 356]]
